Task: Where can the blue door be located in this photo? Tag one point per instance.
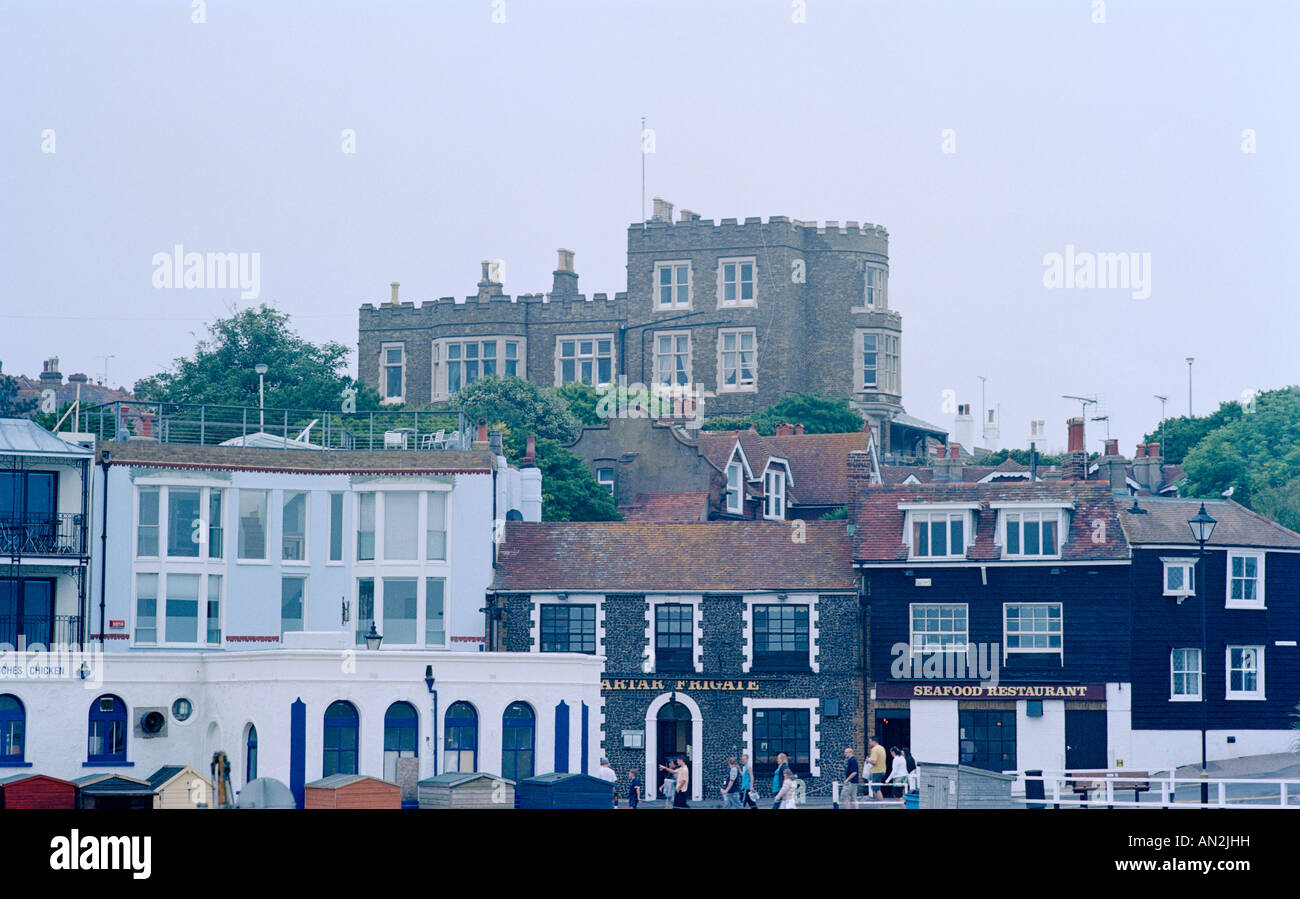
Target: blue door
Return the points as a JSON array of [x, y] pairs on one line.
[[1085, 738]]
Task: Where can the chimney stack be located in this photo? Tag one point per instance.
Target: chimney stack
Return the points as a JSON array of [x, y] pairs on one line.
[[663, 211], [481, 439], [1112, 446], [954, 451], [1075, 428], [687, 215], [1141, 451], [530, 451], [495, 443], [394, 285], [798, 430], [784, 430], [565, 279], [963, 426]]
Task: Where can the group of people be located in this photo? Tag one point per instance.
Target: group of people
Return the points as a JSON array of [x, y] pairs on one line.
[[738, 788], [902, 775]]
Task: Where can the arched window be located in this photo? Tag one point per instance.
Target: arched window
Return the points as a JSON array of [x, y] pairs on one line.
[[107, 730], [517, 729], [401, 737], [13, 728], [250, 755], [461, 740], [340, 739]]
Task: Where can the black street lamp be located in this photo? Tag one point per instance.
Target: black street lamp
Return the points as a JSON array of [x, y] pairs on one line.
[[373, 637], [1202, 529]]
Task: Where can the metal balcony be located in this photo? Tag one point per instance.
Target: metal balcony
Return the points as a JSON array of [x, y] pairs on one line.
[[22, 632], [59, 535]]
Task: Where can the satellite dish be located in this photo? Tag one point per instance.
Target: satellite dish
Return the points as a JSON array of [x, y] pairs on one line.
[[265, 792]]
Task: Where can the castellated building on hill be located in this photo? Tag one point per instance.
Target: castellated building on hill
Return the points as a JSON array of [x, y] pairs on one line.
[[746, 312]]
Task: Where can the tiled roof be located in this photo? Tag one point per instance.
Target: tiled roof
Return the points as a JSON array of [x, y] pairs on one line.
[[716, 447], [240, 458], [667, 507], [897, 474], [879, 522], [1164, 520], [731, 556], [819, 465], [164, 774]]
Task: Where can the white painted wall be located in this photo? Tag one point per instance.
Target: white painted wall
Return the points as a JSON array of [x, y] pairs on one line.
[[934, 731], [1040, 742]]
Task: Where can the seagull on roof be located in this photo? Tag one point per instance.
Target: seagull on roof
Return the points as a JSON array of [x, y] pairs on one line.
[[1229, 491]]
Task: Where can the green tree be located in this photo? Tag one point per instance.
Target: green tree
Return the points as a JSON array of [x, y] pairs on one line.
[[1178, 435], [10, 405], [726, 423], [518, 406], [817, 414], [569, 490], [1017, 455], [581, 400], [1257, 454], [301, 374]]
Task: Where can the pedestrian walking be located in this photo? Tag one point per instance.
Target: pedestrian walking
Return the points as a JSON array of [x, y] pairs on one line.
[[778, 778], [849, 790], [731, 788], [897, 774], [785, 795], [683, 784], [669, 787], [748, 795], [876, 756], [633, 789], [913, 772]]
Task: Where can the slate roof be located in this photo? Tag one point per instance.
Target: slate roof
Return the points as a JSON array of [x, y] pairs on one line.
[[164, 774], [879, 522], [1163, 520], [667, 507], [117, 784], [634, 557], [240, 458], [20, 436]]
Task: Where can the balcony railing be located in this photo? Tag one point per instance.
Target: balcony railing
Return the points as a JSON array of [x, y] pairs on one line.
[[287, 429], [62, 534], [22, 632]]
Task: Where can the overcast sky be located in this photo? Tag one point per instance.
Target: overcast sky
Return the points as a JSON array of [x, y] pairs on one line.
[[478, 140]]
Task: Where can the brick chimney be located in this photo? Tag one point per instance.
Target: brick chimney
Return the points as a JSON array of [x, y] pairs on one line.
[[530, 451], [486, 286], [393, 286], [50, 374], [1113, 467], [1074, 467], [1075, 429], [565, 279], [784, 430], [481, 439], [1149, 467], [663, 211], [1141, 451], [798, 430], [954, 451], [1112, 446]]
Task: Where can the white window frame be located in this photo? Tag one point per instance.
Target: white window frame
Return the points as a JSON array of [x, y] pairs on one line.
[[741, 386], [697, 629], [306, 594], [422, 565], [656, 287], [956, 647], [875, 283], [1199, 672], [738, 302], [578, 599], [306, 528], [811, 600], [267, 540], [604, 483], [689, 353], [1060, 513], [578, 358], [929, 512], [814, 726], [1046, 650], [888, 368], [1258, 601], [774, 505], [1258, 692], [384, 365], [343, 529], [440, 363], [735, 465], [1189, 575]]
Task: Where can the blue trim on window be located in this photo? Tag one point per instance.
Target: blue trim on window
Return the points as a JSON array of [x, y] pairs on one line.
[[15, 764], [341, 739], [518, 756], [119, 716], [17, 713], [298, 751], [106, 765], [562, 738]]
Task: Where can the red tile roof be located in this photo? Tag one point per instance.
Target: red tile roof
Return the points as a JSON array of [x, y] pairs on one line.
[[819, 465], [667, 507], [633, 557], [1094, 534]]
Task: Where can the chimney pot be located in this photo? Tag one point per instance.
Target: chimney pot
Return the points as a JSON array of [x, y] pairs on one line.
[[954, 451], [663, 210], [798, 429], [394, 285], [530, 450], [1153, 450], [1075, 428], [566, 260], [1140, 452], [487, 272], [784, 430], [1112, 446]]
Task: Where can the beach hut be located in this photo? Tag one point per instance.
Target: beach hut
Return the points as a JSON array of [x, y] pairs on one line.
[[467, 790], [113, 791], [37, 791], [180, 786], [564, 791], [352, 791]]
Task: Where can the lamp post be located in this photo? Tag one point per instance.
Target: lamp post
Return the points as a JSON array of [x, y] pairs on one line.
[[429, 682], [261, 369], [1190, 360], [373, 637], [1202, 529]]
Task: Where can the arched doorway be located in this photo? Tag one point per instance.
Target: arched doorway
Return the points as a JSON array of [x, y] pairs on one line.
[[673, 728]]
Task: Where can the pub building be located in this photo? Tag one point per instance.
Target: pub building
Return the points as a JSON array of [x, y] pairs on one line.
[[999, 622], [719, 638]]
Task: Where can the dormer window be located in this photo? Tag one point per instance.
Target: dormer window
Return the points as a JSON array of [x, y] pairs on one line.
[[735, 488], [938, 535], [1035, 533], [774, 495]]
